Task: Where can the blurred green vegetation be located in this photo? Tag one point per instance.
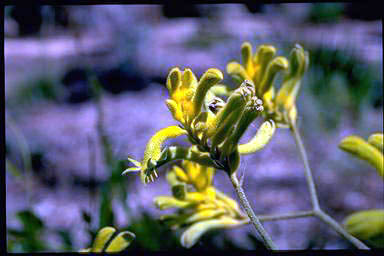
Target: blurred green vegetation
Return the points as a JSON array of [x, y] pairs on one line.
[[342, 85], [42, 88], [325, 12]]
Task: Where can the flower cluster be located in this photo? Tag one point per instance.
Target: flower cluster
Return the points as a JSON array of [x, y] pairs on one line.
[[214, 127], [201, 207], [262, 69]]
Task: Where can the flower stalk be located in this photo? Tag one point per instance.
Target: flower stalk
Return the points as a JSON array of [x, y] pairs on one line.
[[314, 197], [252, 216]]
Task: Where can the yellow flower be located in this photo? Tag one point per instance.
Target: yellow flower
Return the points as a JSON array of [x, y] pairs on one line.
[[187, 94], [367, 225], [371, 151], [104, 243], [152, 153], [262, 68], [201, 206]]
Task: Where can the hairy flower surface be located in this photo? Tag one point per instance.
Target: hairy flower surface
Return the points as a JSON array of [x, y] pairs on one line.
[[262, 69], [201, 207], [213, 126], [370, 151]]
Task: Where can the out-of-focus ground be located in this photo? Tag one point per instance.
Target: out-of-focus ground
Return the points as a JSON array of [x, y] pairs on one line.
[[131, 49]]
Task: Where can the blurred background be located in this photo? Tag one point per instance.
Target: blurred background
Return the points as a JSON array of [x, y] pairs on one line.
[[85, 88]]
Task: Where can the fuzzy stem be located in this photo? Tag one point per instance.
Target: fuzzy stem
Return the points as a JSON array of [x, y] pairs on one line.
[[286, 216], [253, 218], [314, 198], [307, 169]]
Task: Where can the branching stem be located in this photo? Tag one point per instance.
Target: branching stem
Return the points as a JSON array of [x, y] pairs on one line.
[[253, 218], [314, 198]]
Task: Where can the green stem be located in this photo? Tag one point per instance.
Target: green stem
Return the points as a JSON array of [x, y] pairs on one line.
[[253, 218], [286, 216], [307, 170], [314, 198]]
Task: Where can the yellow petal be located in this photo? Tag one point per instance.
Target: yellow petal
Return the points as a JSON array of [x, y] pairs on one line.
[[204, 215], [153, 148], [194, 232], [175, 110], [229, 201], [166, 202], [262, 58], [173, 80], [237, 72], [120, 242], [102, 238], [246, 55], [365, 224], [189, 79], [363, 150], [211, 77], [263, 135], [195, 197], [276, 65], [376, 140], [181, 175], [287, 94]]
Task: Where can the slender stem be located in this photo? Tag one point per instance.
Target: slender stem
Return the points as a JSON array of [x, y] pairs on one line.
[[286, 216], [307, 169], [314, 198], [342, 232], [253, 218]]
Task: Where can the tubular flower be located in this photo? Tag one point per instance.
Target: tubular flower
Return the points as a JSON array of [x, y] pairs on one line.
[[153, 153], [262, 69], [367, 225], [201, 206], [371, 151], [107, 240], [212, 125], [187, 94]]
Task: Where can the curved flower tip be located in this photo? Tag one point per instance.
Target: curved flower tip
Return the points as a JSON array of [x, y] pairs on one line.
[[367, 225], [263, 136], [377, 140], [173, 79], [120, 242], [210, 78], [365, 151], [193, 233], [153, 153], [103, 242]]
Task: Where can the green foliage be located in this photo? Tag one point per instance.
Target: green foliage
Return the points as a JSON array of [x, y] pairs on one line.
[[325, 12], [29, 237], [152, 235], [335, 73], [36, 90]]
